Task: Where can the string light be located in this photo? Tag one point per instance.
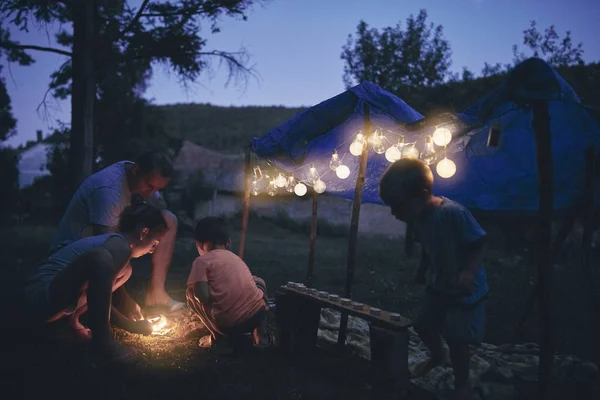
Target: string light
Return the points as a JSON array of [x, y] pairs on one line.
[[410, 151], [377, 141], [446, 168], [319, 186], [272, 189], [300, 189], [335, 162], [255, 188], [358, 145], [442, 137], [312, 174], [291, 183], [394, 153], [280, 181], [428, 155], [342, 172]]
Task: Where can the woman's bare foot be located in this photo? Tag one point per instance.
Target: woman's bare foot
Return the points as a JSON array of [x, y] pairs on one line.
[[99, 357]]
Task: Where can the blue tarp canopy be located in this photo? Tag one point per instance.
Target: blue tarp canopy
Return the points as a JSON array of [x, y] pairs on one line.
[[487, 179]]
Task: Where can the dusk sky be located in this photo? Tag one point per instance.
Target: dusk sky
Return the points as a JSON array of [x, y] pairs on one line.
[[295, 46]]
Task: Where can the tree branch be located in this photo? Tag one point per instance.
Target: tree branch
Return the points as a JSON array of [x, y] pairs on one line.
[[135, 19], [42, 48]]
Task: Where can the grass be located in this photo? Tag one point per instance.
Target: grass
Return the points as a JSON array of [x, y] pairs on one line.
[[277, 250]]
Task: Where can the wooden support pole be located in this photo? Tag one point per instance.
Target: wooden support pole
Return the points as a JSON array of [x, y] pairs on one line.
[[541, 127], [313, 239], [358, 191], [246, 205]]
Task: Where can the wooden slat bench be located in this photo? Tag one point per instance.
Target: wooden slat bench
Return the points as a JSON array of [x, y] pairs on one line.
[[299, 313]]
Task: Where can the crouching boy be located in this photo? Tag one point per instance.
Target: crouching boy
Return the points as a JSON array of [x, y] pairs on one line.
[[222, 292]]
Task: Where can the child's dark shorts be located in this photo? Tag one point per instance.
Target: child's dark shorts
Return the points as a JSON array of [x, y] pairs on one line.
[[456, 322]]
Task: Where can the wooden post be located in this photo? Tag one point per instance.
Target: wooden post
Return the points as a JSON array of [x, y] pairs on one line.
[[541, 127], [313, 238], [358, 191], [246, 205]]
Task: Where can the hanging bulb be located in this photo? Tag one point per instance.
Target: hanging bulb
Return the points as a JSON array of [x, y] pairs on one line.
[[394, 153], [257, 173], [428, 155], [280, 181], [254, 187], [358, 145], [335, 162], [300, 189], [312, 174], [272, 188], [442, 137], [342, 171], [291, 182], [378, 142], [446, 168], [319, 186], [410, 151]]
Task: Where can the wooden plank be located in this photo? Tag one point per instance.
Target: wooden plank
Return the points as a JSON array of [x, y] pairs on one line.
[[382, 320]]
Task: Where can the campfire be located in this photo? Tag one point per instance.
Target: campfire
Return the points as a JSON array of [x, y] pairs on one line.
[[160, 325]]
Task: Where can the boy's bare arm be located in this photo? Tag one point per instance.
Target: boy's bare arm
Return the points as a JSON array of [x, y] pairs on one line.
[[202, 292], [475, 251]]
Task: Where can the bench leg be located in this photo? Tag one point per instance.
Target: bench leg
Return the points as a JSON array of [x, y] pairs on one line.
[[389, 356], [297, 324]]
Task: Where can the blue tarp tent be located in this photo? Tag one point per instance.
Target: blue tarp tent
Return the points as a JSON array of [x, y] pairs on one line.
[[487, 179]]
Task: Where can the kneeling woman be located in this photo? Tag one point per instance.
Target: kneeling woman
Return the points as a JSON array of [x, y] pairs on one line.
[[81, 277]]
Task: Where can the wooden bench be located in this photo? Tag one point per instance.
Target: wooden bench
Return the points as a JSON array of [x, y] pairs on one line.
[[299, 314]]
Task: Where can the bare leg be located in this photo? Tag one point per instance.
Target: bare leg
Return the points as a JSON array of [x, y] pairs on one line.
[[433, 341], [460, 356], [161, 261], [97, 268]]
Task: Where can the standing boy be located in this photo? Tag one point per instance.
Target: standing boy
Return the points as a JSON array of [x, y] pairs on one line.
[[452, 244]]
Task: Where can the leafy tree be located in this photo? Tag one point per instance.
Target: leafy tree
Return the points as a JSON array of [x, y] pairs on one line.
[[114, 45], [395, 58], [558, 52]]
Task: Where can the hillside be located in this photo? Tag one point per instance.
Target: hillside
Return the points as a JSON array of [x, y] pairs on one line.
[[225, 129], [229, 129]]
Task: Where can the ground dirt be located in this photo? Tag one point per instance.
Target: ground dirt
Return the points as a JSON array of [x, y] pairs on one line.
[[43, 363]]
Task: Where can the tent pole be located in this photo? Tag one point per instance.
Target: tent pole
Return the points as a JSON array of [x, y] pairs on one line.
[[356, 202], [564, 230], [541, 127], [246, 205], [313, 237]]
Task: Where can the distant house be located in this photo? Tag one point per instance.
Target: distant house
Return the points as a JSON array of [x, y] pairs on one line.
[[223, 172]]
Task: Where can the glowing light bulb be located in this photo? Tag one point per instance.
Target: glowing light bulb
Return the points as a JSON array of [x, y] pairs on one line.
[[445, 168], [377, 141], [442, 136], [410, 151], [358, 145], [257, 174], [335, 162], [300, 189], [272, 188], [254, 187], [428, 155], [319, 186], [312, 174], [342, 172], [280, 181], [393, 154], [291, 182]]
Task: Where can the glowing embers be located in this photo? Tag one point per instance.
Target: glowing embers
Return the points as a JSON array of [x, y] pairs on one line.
[[160, 325]]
